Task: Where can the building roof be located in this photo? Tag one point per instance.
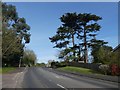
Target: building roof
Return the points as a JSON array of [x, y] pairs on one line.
[[116, 48]]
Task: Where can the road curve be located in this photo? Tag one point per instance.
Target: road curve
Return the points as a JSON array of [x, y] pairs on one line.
[[36, 77]]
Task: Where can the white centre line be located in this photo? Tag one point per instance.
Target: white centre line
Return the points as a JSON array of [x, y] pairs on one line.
[[57, 76], [50, 80], [60, 86]]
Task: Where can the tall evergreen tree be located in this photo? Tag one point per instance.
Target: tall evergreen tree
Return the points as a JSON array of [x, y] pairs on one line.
[[65, 35], [82, 27], [89, 26], [15, 35]]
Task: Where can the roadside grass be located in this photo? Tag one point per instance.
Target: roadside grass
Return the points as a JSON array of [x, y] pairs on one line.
[[0, 70], [79, 70], [6, 69], [40, 65]]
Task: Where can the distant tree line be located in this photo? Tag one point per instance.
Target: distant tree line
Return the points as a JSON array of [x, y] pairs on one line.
[[29, 58], [40, 64]]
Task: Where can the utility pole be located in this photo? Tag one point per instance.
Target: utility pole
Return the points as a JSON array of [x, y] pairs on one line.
[[20, 62]]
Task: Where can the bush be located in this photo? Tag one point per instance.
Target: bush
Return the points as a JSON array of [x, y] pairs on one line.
[[104, 69], [115, 69], [57, 64], [53, 64]]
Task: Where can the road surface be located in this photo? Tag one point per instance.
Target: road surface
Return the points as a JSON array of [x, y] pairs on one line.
[[36, 77]]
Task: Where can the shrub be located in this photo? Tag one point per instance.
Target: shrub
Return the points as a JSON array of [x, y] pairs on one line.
[[115, 69], [104, 69]]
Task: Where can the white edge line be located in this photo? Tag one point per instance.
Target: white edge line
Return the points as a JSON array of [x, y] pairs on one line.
[[15, 76], [60, 86], [57, 76]]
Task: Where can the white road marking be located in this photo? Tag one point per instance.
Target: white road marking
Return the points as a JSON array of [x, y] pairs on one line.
[[15, 76], [60, 86], [50, 80], [25, 68], [21, 72], [57, 76]]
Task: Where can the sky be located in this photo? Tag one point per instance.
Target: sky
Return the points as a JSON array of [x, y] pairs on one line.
[[61, 0], [43, 18]]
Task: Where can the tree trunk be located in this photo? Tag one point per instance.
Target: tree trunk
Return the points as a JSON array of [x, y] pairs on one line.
[[79, 54], [73, 41], [85, 51]]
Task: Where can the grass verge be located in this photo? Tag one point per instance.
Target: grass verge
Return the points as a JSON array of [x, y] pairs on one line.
[[0, 70], [6, 69], [78, 70]]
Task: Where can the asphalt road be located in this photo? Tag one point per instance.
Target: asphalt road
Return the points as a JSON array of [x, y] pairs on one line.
[[13, 79], [36, 77]]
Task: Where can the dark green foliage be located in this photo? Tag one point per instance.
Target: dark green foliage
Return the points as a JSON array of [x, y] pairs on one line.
[[95, 46], [53, 64], [15, 34], [11, 47], [102, 54], [40, 64], [82, 27], [56, 64], [89, 26]]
